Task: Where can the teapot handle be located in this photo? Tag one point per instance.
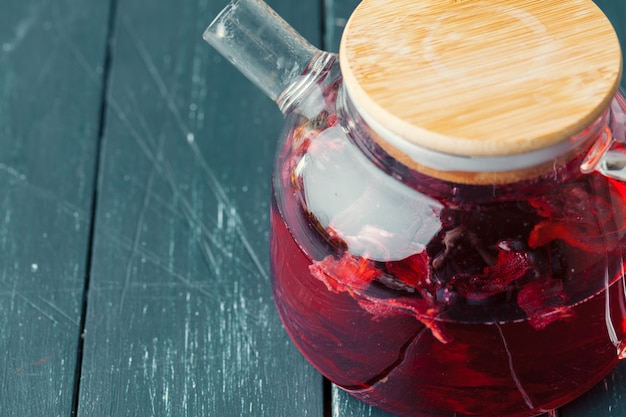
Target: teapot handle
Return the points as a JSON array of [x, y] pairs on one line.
[[608, 155]]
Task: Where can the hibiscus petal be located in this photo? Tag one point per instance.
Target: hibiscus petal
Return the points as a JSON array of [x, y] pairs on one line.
[[544, 302]]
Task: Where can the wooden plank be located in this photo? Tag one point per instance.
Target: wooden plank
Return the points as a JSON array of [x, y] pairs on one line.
[[336, 14], [606, 399], [180, 315], [51, 61], [344, 405]]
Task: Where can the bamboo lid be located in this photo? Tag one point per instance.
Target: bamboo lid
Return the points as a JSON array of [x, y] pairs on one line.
[[480, 78]]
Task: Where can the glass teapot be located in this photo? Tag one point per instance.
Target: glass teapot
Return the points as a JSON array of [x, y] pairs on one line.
[[448, 223]]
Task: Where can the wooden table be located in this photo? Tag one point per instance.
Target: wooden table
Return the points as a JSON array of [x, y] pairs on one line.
[[134, 176]]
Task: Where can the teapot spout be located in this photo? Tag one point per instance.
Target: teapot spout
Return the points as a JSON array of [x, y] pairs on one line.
[[268, 51]]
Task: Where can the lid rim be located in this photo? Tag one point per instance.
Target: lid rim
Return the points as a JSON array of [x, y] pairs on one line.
[[451, 162]]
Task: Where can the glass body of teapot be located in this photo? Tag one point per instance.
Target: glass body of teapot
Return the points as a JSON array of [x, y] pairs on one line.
[[433, 284]]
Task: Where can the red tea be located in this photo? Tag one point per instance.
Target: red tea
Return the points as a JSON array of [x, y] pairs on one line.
[[512, 306]]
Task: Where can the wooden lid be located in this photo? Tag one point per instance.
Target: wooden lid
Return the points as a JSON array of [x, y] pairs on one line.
[[481, 78]]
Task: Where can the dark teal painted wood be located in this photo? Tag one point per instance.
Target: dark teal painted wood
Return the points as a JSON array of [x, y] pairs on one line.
[[336, 14], [607, 399], [51, 57], [343, 405], [180, 317]]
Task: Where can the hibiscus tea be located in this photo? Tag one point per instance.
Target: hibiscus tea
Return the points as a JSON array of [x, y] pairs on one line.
[[511, 306]]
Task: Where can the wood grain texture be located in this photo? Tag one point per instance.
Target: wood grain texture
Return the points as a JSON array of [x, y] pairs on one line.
[[180, 316], [607, 399], [337, 12], [344, 405], [51, 57], [491, 79]]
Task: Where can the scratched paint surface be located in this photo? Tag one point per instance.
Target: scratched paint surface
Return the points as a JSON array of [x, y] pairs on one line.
[[51, 56], [180, 317]]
